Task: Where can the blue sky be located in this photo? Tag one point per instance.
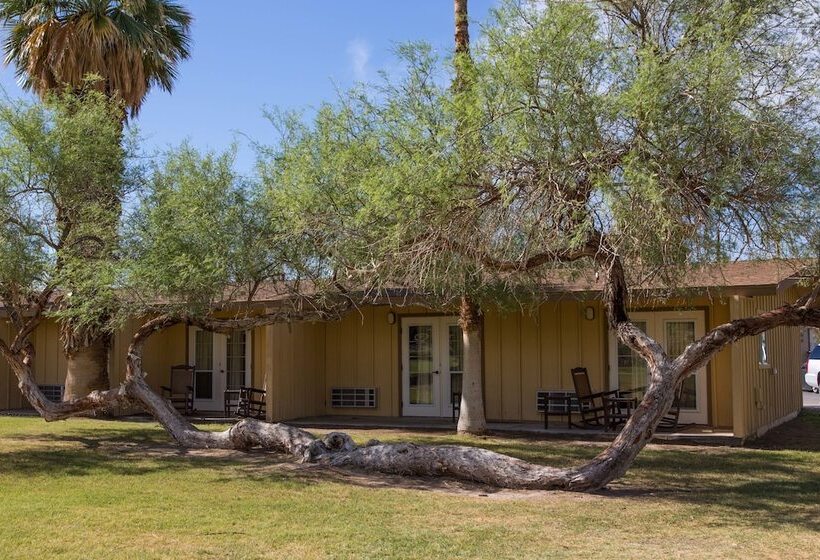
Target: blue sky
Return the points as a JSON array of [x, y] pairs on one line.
[[279, 53]]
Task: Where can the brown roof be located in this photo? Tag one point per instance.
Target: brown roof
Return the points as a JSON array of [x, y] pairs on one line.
[[732, 277], [740, 277], [748, 274]]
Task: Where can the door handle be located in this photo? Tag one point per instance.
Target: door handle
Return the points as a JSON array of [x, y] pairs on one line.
[[436, 372]]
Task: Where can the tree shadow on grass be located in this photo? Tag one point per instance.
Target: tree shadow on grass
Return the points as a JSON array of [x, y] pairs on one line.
[[760, 487], [131, 452], [755, 487]]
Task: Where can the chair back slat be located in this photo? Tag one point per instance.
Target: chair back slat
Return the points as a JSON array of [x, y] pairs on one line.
[[580, 378], [251, 403], [182, 377]]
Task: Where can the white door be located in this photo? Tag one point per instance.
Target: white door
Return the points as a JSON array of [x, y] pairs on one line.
[[221, 361], [674, 330], [432, 365]]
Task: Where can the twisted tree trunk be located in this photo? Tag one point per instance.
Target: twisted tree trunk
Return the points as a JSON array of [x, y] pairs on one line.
[[453, 461]]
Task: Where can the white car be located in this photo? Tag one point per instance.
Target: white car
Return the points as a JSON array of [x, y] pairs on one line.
[[812, 377]]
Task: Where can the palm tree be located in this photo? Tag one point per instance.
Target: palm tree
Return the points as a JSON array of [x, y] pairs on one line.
[[130, 46]]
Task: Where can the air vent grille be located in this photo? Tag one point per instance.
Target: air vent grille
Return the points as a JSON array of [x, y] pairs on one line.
[[54, 393], [353, 397]]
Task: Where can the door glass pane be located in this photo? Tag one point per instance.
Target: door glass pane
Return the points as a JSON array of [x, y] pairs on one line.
[[455, 357], [633, 372], [236, 342], [204, 357], [679, 334], [420, 364]]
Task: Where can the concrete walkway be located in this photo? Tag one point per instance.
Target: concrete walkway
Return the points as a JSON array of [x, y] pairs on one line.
[[811, 401], [693, 434]]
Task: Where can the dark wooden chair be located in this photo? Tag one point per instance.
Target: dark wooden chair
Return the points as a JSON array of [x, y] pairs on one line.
[[456, 402], [604, 409], [231, 398], [555, 405], [181, 392], [670, 420], [252, 403]]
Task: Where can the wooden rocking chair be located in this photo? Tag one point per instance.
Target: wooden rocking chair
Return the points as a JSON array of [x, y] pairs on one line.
[[252, 403], [605, 409], [669, 422]]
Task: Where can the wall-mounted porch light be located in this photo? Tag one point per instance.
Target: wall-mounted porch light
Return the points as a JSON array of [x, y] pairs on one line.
[[391, 318], [589, 313]]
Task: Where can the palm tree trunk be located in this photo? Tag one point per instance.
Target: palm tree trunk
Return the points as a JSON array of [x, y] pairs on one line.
[[87, 368], [471, 418], [462, 26], [471, 414], [87, 347]]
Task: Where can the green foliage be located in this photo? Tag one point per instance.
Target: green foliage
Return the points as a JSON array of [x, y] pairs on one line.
[[682, 134], [62, 174], [200, 237]]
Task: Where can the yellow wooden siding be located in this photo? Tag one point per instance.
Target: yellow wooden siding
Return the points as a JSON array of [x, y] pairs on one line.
[[362, 351], [258, 357], [162, 351], [720, 373], [298, 364], [49, 364], [294, 369], [10, 396], [764, 396], [524, 352]]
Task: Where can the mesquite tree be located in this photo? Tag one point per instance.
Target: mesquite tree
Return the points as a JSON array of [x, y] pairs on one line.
[[632, 137], [198, 241], [639, 139]]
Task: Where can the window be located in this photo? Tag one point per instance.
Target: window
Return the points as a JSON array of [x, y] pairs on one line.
[[763, 352]]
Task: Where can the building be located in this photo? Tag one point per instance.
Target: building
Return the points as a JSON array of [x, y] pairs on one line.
[[388, 361]]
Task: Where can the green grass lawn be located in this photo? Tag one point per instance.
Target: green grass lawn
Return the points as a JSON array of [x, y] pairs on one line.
[[95, 489]]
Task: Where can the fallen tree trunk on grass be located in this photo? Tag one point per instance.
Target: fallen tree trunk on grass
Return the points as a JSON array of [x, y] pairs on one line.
[[465, 463]]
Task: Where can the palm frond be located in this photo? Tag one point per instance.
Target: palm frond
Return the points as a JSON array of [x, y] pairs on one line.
[[132, 45]]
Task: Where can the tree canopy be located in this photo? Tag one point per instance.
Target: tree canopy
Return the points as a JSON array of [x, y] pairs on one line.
[[58, 162], [666, 134]]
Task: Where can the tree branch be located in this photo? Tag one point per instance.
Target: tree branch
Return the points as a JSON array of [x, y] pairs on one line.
[[697, 354]]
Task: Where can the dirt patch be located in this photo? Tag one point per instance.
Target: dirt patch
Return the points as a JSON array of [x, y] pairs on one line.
[[801, 434]]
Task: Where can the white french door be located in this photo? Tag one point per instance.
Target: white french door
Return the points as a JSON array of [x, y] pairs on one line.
[[221, 361], [432, 365], [674, 330]]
